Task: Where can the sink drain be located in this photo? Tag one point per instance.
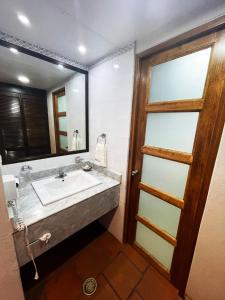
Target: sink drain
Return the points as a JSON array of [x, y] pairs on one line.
[[89, 286]]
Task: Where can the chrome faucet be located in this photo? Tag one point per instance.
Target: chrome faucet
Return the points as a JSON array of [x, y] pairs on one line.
[[61, 174], [78, 160]]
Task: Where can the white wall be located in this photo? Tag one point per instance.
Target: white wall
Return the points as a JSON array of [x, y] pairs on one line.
[[75, 101], [110, 112], [207, 277], [172, 30]]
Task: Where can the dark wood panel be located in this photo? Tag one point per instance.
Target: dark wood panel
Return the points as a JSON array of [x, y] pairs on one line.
[[36, 119], [11, 130], [23, 122]]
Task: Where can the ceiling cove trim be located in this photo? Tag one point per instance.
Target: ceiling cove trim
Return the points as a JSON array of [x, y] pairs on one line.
[[113, 54], [40, 50]]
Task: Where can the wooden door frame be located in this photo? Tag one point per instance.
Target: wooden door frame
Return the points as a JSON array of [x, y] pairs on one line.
[[57, 132], [179, 278]]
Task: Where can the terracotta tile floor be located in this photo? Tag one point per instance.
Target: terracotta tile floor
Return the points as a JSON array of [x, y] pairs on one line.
[[120, 271]]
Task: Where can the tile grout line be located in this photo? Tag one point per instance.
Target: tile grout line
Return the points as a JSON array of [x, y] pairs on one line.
[[134, 288], [111, 286], [134, 263], [114, 258], [141, 273]]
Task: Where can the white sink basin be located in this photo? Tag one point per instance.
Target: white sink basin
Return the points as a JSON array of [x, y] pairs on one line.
[[53, 189]]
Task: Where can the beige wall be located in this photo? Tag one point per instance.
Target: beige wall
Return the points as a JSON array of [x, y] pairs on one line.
[[207, 276], [10, 284]]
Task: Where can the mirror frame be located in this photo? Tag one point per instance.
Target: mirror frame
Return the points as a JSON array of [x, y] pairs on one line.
[[67, 66]]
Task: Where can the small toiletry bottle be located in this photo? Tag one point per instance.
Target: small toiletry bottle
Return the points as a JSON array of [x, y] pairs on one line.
[[25, 175]]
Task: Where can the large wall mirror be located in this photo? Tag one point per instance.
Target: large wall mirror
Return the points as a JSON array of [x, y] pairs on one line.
[[43, 106]]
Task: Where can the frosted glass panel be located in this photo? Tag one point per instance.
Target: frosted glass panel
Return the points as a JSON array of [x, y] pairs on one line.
[[62, 104], [181, 78], [175, 131], [63, 142], [160, 213], [62, 123], [166, 175], [155, 245]]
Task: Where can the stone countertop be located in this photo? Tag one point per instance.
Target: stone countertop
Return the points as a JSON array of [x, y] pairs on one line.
[[31, 210]]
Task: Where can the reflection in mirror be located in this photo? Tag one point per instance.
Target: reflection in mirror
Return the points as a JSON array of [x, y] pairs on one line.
[[43, 108]]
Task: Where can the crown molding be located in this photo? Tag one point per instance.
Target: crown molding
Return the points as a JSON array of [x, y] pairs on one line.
[[113, 54], [40, 50]]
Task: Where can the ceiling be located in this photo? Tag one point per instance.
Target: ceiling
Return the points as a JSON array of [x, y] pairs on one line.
[[42, 74], [101, 25]]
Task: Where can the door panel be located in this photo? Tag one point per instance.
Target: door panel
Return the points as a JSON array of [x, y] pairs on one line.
[[175, 79], [61, 103], [165, 175], [160, 249], [62, 123], [171, 130], [161, 213], [63, 142]]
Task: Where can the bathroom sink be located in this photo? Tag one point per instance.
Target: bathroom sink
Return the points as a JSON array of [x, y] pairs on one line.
[[52, 189]]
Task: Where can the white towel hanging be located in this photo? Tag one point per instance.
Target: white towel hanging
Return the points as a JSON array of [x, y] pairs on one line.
[[101, 151], [76, 141]]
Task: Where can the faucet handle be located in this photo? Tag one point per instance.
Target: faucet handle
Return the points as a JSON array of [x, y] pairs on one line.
[[78, 159], [25, 168]]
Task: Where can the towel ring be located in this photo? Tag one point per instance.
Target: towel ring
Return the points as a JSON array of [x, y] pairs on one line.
[[101, 137]]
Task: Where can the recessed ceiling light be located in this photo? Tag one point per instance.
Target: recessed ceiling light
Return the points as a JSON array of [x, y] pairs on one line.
[[60, 66], [76, 90], [23, 79], [82, 49], [14, 50], [116, 66], [23, 19]]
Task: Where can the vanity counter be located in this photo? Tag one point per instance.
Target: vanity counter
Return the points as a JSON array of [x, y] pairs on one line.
[[31, 210], [64, 217]]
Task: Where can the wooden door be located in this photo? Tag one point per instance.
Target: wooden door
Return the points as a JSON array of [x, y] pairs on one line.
[[60, 118], [176, 128]]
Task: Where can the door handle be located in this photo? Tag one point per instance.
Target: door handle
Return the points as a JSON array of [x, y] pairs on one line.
[[134, 172]]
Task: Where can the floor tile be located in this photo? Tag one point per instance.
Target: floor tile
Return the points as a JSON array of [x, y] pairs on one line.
[[155, 287], [103, 292], [122, 275], [135, 257], [135, 296], [64, 284], [109, 243], [36, 293], [92, 260]]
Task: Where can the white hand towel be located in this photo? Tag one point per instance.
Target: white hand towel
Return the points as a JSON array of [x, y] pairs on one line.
[[101, 155]]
